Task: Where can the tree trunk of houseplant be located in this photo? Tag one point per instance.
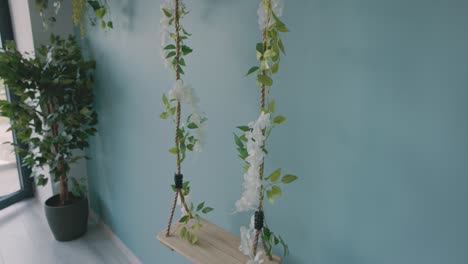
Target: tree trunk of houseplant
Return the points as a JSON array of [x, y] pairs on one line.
[[66, 214]]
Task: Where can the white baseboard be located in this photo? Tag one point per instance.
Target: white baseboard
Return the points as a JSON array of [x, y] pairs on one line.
[[115, 239]]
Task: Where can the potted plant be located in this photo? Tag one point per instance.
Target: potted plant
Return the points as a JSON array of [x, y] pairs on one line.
[[53, 116]]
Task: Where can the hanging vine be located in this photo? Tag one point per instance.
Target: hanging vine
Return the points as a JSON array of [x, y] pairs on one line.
[[100, 12], [251, 142], [189, 135]]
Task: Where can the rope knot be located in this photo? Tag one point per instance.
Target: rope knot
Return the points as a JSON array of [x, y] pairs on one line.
[[178, 180], [259, 219]]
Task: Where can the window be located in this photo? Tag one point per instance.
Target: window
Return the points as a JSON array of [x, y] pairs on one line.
[[14, 179]]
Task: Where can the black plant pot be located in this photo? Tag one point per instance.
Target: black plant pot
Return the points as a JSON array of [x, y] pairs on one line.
[[67, 222]]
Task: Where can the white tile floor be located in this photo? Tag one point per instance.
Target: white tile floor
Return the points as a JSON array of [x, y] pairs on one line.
[[25, 238], [9, 180]]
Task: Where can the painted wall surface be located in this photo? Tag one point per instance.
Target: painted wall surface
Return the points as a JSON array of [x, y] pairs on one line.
[[375, 92]]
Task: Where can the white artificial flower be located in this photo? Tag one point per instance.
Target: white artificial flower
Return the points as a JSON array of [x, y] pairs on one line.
[[169, 5], [197, 147], [247, 238], [57, 5], [252, 183], [264, 19], [186, 94], [179, 203], [246, 241], [257, 259], [178, 91], [196, 119]]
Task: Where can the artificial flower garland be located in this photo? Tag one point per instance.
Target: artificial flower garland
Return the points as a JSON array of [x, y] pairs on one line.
[[251, 142], [189, 136], [100, 10]]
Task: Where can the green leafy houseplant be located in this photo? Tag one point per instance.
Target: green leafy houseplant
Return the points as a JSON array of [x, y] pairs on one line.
[[100, 12], [53, 112]]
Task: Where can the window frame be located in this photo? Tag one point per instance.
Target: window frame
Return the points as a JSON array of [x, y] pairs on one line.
[[24, 174]]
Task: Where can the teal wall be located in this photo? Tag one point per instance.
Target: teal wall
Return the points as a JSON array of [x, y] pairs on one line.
[[375, 92]]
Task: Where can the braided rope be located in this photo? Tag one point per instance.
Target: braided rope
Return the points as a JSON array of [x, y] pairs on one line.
[[178, 110], [171, 216], [177, 69], [255, 245], [261, 172]]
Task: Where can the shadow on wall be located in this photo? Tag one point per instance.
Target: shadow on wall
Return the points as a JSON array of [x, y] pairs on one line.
[[211, 5], [127, 9]]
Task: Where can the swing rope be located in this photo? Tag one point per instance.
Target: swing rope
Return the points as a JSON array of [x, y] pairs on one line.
[[178, 178], [259, 214]]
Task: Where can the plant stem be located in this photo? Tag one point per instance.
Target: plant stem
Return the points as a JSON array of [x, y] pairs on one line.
[[64, 194]]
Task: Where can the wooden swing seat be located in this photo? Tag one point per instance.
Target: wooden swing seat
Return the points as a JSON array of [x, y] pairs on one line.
[[215, 246]]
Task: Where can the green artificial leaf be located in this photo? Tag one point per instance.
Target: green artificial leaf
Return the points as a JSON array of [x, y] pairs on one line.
[[282, 28], [279, 24], [185, 32], [244, 128], [186, 50], [281, 46], [270, 196], [192, 126], [110, 24], [190, 147], [166, 101], [264, 79], [183, 232], [173, 150], [170, 46], [274, 176], [288, 178], [252, 70], [200, 206], [207, 210], [166, 12], [272, 106], [171, 54], [164, 115], [279, 119], [276, 190], [259, 47], [184, 219], [101, 12], [269, 54], [194, 239], [274, 68], [94, 4], [238, 141], [243, 138]]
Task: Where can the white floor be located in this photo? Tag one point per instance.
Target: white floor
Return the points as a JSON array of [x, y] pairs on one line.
[[25, 238], [9, 180]]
